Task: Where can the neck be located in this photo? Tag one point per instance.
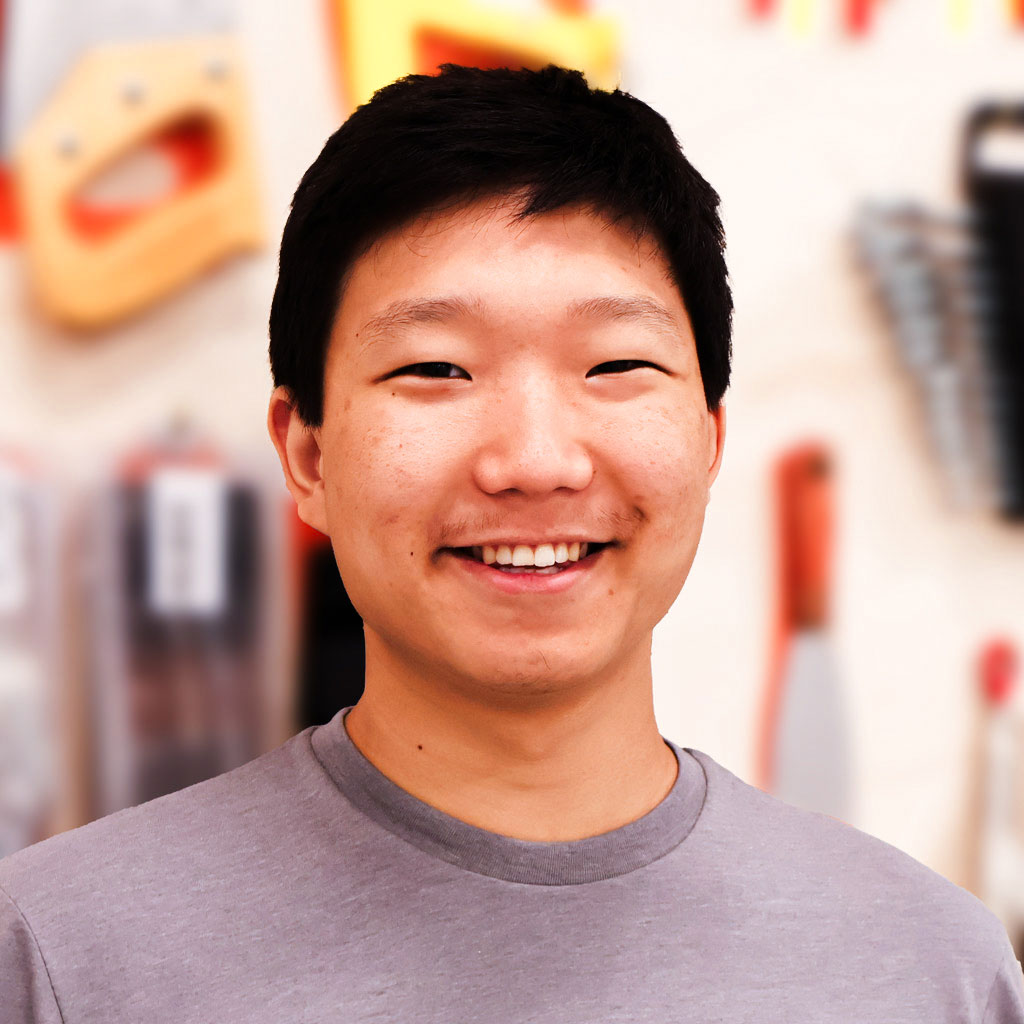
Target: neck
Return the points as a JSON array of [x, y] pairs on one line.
[[552, 770]]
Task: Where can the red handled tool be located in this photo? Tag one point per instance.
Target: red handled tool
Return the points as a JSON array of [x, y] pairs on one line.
[[1002, 845], [803, 749], [859, 16]]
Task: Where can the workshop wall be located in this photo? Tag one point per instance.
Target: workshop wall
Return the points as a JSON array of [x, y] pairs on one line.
[[797, 115]]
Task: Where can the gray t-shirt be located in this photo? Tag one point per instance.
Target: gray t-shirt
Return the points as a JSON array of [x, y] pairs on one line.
[[305, 886]]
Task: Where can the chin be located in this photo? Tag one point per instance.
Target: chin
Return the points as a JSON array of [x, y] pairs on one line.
[[538, 673]]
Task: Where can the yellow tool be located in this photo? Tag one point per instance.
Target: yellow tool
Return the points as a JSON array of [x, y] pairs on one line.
[[381, 40], [959, 16], [801, 17]]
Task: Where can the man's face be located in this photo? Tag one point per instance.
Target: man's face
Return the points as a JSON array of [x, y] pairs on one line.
[[500, 385]]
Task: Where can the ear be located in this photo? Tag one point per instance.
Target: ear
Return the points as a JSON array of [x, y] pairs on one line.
[[716, 442], [298, 448]]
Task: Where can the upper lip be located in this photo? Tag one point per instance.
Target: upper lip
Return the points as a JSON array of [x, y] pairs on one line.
[[555, 538]]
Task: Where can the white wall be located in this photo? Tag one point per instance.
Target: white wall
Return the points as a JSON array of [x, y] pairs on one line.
[[793, 133]]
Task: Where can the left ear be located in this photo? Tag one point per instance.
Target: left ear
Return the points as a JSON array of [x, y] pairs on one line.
[[716, 442], [298, 448]]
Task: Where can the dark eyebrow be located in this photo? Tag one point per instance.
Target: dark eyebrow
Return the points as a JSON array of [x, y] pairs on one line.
[[634, 308], [408, 312], [397, 316]]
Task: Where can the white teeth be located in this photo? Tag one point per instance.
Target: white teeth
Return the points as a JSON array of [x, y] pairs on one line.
[[544, 556], [522, 555]]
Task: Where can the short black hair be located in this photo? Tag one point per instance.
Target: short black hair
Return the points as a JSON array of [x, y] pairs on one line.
[[427, 142]]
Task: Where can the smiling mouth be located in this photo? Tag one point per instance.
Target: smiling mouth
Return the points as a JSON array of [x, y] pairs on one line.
[[541, 560]]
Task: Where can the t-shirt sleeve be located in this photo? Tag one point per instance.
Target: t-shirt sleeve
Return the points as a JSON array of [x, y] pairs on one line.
[[1006, 996], [26, 994]]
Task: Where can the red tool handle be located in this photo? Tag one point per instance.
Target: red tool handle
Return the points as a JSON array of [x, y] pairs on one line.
[[8, 210], [804, 514], [859, 16], [997, 671], [804, 484]]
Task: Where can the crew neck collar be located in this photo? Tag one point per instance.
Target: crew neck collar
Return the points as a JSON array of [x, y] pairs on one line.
[[576, 862]]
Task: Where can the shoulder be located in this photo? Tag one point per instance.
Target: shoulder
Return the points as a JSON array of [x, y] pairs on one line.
[[213, 826], [830, 875]]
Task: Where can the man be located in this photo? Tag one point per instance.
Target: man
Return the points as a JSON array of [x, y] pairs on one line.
[[500, 340]]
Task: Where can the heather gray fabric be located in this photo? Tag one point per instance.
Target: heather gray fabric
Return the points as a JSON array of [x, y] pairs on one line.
[[307, 887]]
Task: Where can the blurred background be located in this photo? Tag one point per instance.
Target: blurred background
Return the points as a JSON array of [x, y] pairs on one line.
[[849, 634]]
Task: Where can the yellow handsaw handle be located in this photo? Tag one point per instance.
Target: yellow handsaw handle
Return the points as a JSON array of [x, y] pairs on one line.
[[378, 40], [114, 99]]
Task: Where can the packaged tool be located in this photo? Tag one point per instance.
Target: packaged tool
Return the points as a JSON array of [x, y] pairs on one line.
[[30, 653], [182, 620]]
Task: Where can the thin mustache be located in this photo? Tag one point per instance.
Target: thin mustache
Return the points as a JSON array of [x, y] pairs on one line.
[[604, 522]]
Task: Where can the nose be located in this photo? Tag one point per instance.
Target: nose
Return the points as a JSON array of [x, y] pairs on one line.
[[533, 441]]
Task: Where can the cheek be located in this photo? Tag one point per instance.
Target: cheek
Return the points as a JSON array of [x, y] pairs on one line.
[[664, 455], [371, 487], [383, 466]]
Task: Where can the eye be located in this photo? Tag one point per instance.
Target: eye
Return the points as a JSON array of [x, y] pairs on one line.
[[621, 366], [433, 371]]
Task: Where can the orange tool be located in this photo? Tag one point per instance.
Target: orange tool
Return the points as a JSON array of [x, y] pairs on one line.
[[87, 89], [802, 745]]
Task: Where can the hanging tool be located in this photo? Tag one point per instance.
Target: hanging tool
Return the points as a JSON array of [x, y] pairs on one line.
[[8, 209], [801, 17], [922, 265], [381, 40], [1003, 810], [858, 16], [803, 754], [180, 632], [89, 85], [995, 190], [30, 642], [959, 16]]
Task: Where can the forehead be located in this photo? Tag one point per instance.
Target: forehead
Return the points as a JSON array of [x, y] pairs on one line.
[[483, 261]]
